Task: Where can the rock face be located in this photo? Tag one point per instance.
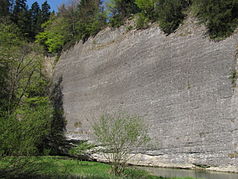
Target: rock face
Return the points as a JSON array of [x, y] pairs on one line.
[[183, 85]]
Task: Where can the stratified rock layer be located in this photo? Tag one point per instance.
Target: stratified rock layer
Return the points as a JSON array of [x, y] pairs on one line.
[[183, 85]]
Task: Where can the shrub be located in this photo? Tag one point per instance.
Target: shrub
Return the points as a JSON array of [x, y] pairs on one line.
[[119, 10], [147, 7], [220, 17], [116, 21], [142, 21], [170, 14], [120, 135], [24, 132], [81, 149]]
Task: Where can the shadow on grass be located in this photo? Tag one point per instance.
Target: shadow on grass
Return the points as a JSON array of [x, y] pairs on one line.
[[43, 168]]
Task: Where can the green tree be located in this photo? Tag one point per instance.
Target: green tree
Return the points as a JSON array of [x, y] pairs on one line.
[[124, 8], [91, 18], [77, 21], [4, 8], [9, 48], [21, 17], [35, 13], [55, 35], [147, 7], [170, 14], [45, 12], [24, 131], [119, 10], [70, 14], [26, 112], [220, 17], [120, 135]]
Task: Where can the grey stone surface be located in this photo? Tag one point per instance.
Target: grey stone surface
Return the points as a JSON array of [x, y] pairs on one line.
[[180, 84]]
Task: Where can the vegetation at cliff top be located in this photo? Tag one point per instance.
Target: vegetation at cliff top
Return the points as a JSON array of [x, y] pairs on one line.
[[79, 20]]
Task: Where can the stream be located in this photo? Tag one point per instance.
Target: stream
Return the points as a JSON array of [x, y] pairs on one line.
[[200, 174]]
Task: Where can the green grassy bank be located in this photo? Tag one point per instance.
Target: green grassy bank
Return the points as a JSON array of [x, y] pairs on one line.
[[62, 167]]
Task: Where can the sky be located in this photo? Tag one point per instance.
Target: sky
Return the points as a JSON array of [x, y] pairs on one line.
[[53, 3]]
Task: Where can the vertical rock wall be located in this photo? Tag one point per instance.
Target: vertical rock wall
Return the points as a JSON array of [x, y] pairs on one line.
[[180, 84]]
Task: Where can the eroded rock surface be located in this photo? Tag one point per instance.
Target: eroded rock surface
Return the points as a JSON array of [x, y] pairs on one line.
[[181, 84]]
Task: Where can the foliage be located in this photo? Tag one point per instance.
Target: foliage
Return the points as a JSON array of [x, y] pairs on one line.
[[23, 63], [19, 64], [116, 21], [35, 13], [9, 38], [23, 132], [26, 113], [27, 20], [141, 21], [21, 17], [119, 10], [91, 18], [81, 149], [45, 12], [120, 135], [4, 8], [147, 7], [170, 14], [19, 167], [81, 19], [73, 23], [56, 33], [220, 17], [233, 77]]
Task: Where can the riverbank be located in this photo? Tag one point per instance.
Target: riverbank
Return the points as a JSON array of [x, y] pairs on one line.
[[62, 167]]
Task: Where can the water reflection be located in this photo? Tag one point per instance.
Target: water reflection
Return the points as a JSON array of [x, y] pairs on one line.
[[165, 172]]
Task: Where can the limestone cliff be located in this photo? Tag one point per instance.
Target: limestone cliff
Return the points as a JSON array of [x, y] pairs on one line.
[[183, 85]]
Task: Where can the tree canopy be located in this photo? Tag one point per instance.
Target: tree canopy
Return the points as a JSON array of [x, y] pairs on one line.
[[27, 113]]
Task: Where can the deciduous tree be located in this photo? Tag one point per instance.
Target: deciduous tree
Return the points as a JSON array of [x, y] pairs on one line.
[[120, 135]]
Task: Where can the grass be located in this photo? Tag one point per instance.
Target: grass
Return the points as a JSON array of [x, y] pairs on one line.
[[61, 167]]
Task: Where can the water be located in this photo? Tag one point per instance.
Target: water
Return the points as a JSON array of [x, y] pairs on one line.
[[166, 172]]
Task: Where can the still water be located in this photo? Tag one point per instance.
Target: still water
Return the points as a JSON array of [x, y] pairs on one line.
[[201, 174]]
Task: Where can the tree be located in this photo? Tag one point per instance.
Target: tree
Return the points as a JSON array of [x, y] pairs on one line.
[[55, 35], [220, 17], [10, 42], [70, 14], [35, 13], [21, 17], [91, 18], [45, 12], [76, 21], [119, 10], [120, 135], [170, 14], [147, 7], [24, 131], [123, 7], [25, 111], [4, 8]]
